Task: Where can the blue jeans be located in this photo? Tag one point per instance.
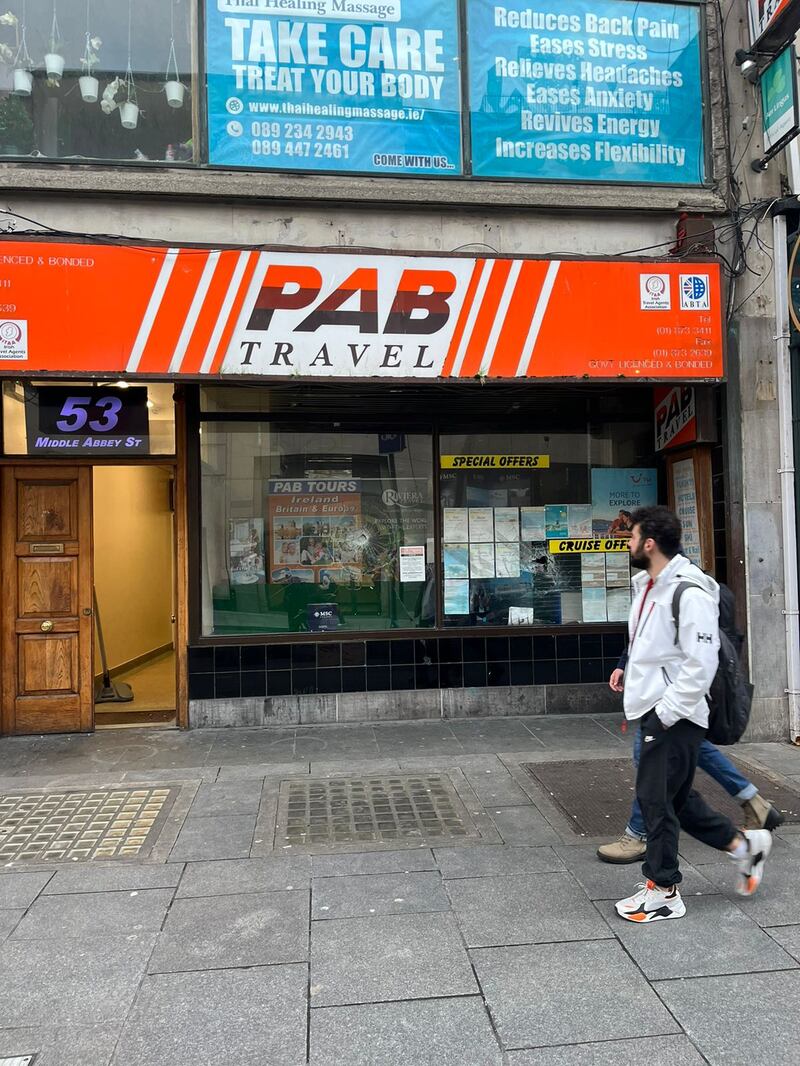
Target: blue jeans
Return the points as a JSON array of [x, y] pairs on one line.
[[714, 763]]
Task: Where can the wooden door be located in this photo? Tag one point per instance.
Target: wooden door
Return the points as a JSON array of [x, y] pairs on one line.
[[46, 543]]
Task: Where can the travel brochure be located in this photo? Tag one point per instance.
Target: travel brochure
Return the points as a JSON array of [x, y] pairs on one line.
[[456, 560], [506, 524], [481, 524], [532, 521], [505, 549]]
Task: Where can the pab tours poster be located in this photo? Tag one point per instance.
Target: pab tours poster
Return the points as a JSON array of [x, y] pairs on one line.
[[315, 530]]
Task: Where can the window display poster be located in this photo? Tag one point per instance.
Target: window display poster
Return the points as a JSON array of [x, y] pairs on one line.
[[456, 597], [315, 526], [370, 88], [593, 571], [594, 604], [507, 559], [618, 604], [685, 492], [556, 521], [455, 524], [246, 540], [618, 570], [532, 519], [412, 562], [481, 496], [481, 524], [616, 493], [593, 90], [481, 560], [520, 616], [580, 519], [506, 524], [456, 560], [571, 607]]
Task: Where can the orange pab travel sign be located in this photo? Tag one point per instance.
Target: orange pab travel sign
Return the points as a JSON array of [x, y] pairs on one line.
[[198, 312]]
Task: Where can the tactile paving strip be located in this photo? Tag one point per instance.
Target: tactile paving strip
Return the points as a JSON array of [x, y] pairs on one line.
[[120, 823], [399, 809]]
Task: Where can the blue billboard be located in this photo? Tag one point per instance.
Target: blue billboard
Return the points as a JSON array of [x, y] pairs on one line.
[[592, 90], [369, 86]]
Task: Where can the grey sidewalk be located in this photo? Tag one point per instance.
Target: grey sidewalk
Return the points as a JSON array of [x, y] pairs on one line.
[[226, 944]]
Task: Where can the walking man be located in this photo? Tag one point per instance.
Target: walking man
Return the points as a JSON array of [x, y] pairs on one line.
[[758, 812], [666, 685]]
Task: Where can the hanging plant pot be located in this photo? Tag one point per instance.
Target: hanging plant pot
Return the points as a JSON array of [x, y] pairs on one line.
[[90, 88], [174, 91], [54, 65], [129, 115], [23, 82]]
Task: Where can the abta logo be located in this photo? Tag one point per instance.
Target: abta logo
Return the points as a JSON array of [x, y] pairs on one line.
[[694, 287]]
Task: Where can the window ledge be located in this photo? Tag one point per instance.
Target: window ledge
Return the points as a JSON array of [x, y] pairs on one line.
[[191, 183]]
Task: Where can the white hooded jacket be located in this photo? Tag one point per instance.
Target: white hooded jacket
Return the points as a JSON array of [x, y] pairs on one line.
[[672, 678]]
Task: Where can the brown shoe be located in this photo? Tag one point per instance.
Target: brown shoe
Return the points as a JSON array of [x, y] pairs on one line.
[[760, 814], [626, 849]]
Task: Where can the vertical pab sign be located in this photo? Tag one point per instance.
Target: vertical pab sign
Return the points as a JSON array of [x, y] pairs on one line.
[[766, 14], [779, 101], [370, 86]]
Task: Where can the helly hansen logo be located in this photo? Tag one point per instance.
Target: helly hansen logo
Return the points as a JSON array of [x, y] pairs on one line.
[[705, 638]]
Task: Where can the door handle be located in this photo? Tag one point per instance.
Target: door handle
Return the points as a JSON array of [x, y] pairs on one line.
[[46, 626], [87, 611]]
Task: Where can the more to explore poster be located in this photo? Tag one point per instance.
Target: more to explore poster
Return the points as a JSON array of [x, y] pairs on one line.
[[336, 85], [590, 90], [616, 493]]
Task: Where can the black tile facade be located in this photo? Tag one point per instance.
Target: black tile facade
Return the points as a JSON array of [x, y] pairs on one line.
[[231, 671]]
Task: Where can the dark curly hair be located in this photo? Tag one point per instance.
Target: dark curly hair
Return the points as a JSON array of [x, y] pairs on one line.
[[662, 525]]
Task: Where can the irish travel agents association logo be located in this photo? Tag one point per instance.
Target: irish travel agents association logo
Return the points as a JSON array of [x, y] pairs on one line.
[[13, 338]]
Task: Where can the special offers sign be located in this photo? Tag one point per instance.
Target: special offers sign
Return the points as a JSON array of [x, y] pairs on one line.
[[275, 314]]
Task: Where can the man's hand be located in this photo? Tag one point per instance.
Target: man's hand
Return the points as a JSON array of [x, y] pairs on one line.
[[615, 681]]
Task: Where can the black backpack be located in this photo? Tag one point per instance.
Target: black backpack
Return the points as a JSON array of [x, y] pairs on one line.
[[731, 694]]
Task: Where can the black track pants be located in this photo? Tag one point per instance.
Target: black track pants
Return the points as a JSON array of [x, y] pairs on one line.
[[668, 801]]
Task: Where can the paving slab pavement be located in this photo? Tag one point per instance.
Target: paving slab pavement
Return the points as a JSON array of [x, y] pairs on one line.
[[503, 949]]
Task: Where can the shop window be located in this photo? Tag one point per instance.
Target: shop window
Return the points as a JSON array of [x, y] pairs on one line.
[[523, 516], [96, 419], [315, 529], [97, 79]]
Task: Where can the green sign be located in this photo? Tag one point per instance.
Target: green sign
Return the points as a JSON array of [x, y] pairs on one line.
[[779, 100]]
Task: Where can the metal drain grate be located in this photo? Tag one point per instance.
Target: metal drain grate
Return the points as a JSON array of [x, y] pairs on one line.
[[399, 810], [80, 826]]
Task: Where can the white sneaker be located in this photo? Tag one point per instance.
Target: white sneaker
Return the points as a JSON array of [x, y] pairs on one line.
[[751, 867], [651, 904]]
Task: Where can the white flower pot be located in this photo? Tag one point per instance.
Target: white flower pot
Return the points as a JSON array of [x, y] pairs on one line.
[[90, 88], [23, 82], [174, 91], [54, 65], [129, 115]]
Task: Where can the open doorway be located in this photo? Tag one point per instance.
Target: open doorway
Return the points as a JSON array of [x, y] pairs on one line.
[[134, 582]]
